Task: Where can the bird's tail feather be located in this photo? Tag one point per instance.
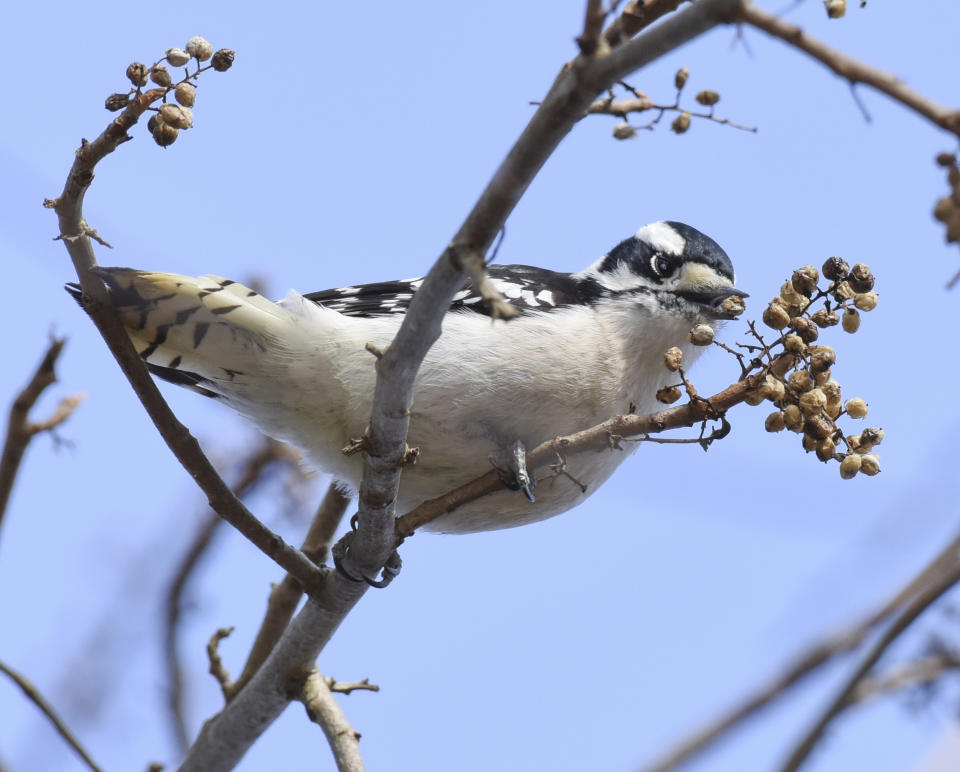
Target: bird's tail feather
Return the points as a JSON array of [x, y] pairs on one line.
[[194, 331]]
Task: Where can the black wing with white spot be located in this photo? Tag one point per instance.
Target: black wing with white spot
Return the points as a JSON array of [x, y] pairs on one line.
[[527, 288]]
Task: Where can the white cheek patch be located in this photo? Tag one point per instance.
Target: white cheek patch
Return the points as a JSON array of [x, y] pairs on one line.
[[662, 238], [700, 275]]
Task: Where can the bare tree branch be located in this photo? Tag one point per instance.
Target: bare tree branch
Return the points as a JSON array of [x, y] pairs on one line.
[[636, 15], [226, 737], [19, 428], [324, 710], [76, 236], [852, 69], [37, 699], [252, 473], [920, 672], [285, 596], [589, 39], [217, 668]]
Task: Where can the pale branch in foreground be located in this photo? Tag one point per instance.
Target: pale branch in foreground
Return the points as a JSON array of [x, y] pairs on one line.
[[37, 699], [323, 709]]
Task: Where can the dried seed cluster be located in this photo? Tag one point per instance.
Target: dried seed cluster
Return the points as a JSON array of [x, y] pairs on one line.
[[800, 382], [170, 119]]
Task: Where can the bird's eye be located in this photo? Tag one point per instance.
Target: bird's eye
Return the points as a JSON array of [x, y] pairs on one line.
[[660, 265]]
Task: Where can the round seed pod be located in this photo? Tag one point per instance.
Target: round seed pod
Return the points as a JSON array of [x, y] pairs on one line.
[[185, 94], [810, 443], [161, 76], [137, 74], [681, 123], [177, 116], [824, 318], [733, 305], [819, 428], [672, 358], [870, 464], [944, 208], [805, 328], [776, 317], [804, 280], [813, 402], [116, 102], [164, 134], [835, 269], [856, 408], [708, 97], [177, 57], [754, 397], [199, 48], [871, 437], [822, 377], [832, 391], [833, 409], [775, 422], [793, 418], [822, 358], [850, 466], [795, 344], [772, 388], [669, 394], [800, 381], [826, 449], [701, 335], [680, 79], [851, 320], [836, 9], [865, 301], [853, 443], [861, 278], [223, 60], [946, 159], [624, 130]]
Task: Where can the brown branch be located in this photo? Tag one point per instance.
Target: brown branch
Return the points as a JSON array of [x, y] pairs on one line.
[[38, 699], [589, 39], [920, 672], [217, 669], [913, 609], [76, 236], [253, 471], [622, 107], [348, 687], [597, 438], [285, 597], [19, 429], [636, 15], [851, 69], [323, 710]]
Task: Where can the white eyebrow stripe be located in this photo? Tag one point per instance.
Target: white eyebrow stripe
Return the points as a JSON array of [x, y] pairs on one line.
[[662, 238]]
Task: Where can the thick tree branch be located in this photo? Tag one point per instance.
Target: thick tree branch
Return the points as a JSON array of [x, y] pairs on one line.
[[324, 710], [226, 737], [636, 15], [76, 235], [37, 699], [852, 69]]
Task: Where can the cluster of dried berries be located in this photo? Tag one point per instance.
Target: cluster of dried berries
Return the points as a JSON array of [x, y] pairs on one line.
[[800, 382], [170, 119], [947, 209], [680, 124], [796, 371]]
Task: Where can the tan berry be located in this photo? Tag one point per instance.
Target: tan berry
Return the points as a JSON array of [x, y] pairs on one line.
[[835, 269], [669, 394], [137, 74], [835, 8], [161, 76], [822, 358], [681, 123], [754, 397], [793, 418], [850, 466], [775, 422], [117, 102], [805, 328], [819, 428], [865, 301], [701, 335], [772, 388], [824, 318], [733, 305], [813, 402], [871, 437], [851, 320], [185, 94], [164, 134], [708, 97], [870, 464], [795, 344], [804, 280], [861, 278], [672, 358], [856, 408], [944, 208], [199, 48], [624, 130], [946, 159], [223, 60], [800, 381], [680, 79], [177, 116], [810, 443], [826, 449], [177, 57], [776, 317], [843, 291], [822, 377]]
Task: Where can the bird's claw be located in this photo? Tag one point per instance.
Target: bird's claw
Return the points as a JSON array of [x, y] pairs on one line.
[[511, 464]]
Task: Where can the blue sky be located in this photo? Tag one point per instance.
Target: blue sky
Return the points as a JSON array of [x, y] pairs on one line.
[[345, 146]]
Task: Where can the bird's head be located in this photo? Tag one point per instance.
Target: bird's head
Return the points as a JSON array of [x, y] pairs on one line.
[[672, 265]]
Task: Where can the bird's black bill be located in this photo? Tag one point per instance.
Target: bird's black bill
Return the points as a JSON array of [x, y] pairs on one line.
[[711, 298]]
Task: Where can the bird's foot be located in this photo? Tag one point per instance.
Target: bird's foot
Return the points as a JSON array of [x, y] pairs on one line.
[[511, 464]]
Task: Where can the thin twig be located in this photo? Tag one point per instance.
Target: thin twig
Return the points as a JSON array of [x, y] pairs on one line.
[[347, 687], [19, 429], [590, 38], [217, 669], [324, 710], [38, 699], [913, 609], [853, 70], [920, 672], [253, 471]]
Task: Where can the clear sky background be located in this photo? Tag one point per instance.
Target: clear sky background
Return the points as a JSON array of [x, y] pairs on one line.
[[345, 146]]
